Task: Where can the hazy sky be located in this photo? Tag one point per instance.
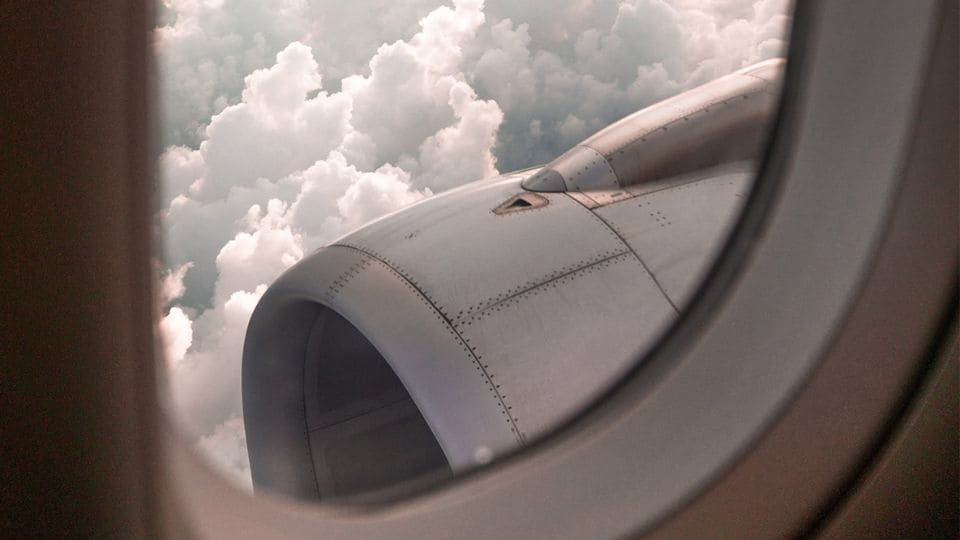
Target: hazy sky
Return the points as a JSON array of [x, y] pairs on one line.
[[287, 123]]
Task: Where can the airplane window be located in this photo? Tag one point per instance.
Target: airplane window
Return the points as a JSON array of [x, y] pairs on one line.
[[404, 239]]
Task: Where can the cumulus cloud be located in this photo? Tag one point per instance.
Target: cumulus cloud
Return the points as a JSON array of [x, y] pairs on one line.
[[464, 146], [259, 254], [171, 283], [289, 166], [176, 333], [563, 73], [204, 50], [287, 123], [229, 443]]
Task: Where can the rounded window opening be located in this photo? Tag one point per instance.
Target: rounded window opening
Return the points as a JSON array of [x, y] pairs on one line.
[[401, 242]]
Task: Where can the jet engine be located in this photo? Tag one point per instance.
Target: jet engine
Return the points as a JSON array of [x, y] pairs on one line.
[[455, 330]]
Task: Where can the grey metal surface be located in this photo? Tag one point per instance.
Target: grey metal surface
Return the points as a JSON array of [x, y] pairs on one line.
[[500, 324], [355, 408], [719, 122], [438, 371], [582, 168], [677, 230], [273, 385], [479, 314], [459, 253], [444, 376], [521, 202], [555, 347], [500, 320]]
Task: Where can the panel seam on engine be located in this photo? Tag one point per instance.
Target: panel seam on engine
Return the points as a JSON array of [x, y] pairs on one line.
[[355, 416], [321, 318], [639, 259], [722, 102], [346, 276], [476, 312], [453, 330]]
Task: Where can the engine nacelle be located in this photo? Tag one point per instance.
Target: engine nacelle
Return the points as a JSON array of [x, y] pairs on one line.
[[462, 327]]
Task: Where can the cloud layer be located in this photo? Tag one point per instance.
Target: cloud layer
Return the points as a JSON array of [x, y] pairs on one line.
[[287, 123]]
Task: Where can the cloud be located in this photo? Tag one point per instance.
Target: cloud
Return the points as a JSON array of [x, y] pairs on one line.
[[207, 47], [229, 443], [287, 123], [171, 283], [259, 254], [290, 166], [205, 383], [274, 131], [273, 143], [176, 333], [566, 72], [464, 148]]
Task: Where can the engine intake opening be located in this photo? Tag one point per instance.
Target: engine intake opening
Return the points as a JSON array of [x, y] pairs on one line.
[[326, 416], [366, 434]]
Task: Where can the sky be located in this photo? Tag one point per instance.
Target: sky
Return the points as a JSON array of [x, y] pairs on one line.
[[285, 124]]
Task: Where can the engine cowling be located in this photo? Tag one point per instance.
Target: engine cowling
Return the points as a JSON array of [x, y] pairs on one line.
[[462, 327]]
